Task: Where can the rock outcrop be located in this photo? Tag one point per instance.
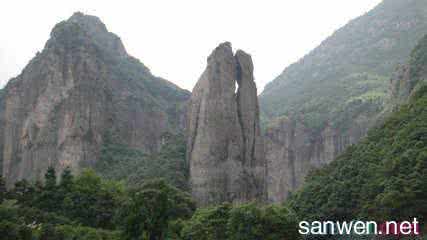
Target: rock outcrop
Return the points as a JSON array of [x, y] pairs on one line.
[[225, 148], [293, 150], [80, 88], [407, 78], [334, 94]]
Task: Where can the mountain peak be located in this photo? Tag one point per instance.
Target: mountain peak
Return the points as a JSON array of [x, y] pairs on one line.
[[82, 88], [88, 21], [223, 50], [84, 30]]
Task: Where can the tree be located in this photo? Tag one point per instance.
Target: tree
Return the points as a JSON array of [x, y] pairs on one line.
[[65, 190], [67, 180], [3, 190], [245, 223], [25, 233], [152, 208], [48, 198], [279, 223], [208, 223], [92, 201], [8, 231], [48, 232], [23, 192], [242, 222], [50, 179]]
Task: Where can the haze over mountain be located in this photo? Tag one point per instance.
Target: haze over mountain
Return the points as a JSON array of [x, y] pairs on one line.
[[313, 111], [276, 33], [385, 175], [94, 146], [82, 89], [330, 98]]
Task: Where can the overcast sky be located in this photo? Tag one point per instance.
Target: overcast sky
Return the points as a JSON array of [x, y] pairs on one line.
[[174, 37]]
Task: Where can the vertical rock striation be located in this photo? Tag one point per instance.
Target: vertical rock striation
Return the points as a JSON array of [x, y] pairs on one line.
[[80, 88], [293, 150], [225, 148], [333, 95]]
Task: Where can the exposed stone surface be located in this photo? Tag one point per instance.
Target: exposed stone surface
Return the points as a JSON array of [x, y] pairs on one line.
[[293, 150], [339, 90], [400, 83], [225, 147], [82, 86]]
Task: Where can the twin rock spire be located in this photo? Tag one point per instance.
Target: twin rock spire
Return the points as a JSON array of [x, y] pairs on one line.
[[224, 146], [84, 85]]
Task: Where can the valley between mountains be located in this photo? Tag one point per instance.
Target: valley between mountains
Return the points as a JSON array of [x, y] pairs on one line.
[[93, 145]]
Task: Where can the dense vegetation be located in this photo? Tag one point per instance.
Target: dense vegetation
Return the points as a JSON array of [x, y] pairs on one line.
[[119, 162], [244, 222], [74, 207], [418, 65], [382, 178], [347, 76], [86, 207]]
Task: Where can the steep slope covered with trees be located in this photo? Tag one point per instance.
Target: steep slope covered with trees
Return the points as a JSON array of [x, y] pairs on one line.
[[353, 64], [331, 97], [384, 176]]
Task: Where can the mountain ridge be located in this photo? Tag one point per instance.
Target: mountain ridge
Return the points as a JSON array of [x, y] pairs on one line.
[[331, 97], [383, 176], [81, 86]]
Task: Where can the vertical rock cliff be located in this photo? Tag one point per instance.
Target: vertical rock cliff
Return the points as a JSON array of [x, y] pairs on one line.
[[80, 88], [225, 148], [331, 97], [293, 150]]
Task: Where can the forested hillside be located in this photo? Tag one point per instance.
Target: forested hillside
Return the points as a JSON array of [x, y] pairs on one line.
[[384, 176], [350, 68], [330, 98], [95, 149]]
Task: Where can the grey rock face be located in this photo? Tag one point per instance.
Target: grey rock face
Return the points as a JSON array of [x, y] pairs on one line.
[[336, 92], [225, 148], [293, 150], [82, 86]]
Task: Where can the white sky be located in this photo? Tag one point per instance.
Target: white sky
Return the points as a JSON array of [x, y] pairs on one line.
[[174, 37]]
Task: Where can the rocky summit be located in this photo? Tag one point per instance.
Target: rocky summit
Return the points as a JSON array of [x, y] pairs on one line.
[[224, 147], [80, 89]]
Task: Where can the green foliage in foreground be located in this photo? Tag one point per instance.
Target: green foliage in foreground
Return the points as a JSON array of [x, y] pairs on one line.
[[244, 222], [86, 207], [151, 210], [81, 208], [384, 177], [119, 162]]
